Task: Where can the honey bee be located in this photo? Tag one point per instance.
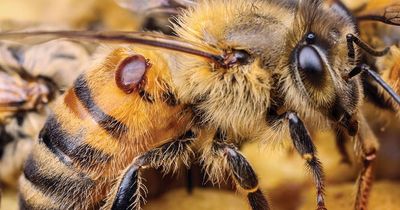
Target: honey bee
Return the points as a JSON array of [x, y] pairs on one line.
[[258, 70], [18, 97]]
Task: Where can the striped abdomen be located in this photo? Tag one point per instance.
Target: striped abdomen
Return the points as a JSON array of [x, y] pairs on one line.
[[63, 170], [96, 131], [83, 147]]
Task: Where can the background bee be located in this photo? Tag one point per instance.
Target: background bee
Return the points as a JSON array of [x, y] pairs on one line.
[[156, 15], [31, 77], [252, 92]]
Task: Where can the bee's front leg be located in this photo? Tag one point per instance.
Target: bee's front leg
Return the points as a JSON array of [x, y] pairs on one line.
[[341, 138], [127, 193], [368, 144], [239, 168], [306, 148]]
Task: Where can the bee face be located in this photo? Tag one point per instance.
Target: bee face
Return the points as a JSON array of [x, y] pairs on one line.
[[318, 59], [304, 45]]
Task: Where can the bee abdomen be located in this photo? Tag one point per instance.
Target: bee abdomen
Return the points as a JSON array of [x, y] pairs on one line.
[[70, 148], [114, 127], [58, 170], [49, 184]]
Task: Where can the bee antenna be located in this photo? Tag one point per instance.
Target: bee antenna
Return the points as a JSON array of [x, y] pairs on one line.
[[353, 39], [375, 76], [389, 14]]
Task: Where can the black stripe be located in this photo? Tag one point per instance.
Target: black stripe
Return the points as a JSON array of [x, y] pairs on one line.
[[146, 96], [23, 205], [114, 127], [44, 180], [70, 147], [17, 53], [170, 98], [41, 181], [47, 135], [5, 139]]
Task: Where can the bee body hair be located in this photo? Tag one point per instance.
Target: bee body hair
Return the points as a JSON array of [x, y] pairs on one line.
[[95, 132], [253, 70], [269, 31]]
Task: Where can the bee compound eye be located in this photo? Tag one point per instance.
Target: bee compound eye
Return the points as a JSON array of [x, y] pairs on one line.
[[310, 61], [310, 64], [131, 73], [242, 57]]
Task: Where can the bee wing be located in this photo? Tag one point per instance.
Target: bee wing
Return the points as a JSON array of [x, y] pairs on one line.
[[12, 92], [389, 14], [140, 6], [146, 6], [139, 38], [10, 57]]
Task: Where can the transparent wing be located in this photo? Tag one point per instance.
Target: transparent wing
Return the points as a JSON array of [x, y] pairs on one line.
[[13, 92], [389, 14], [144, 6], [140, 6]]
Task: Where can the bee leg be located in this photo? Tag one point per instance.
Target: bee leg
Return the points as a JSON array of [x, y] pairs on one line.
[[304, 145], [129, 189], [341, 139], [377, 97], [377, 78], [128, 194], [241, 170], [189, 180], [369, 146]]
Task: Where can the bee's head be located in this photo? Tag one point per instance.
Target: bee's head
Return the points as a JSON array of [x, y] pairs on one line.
[[300, 49], [318, 59]]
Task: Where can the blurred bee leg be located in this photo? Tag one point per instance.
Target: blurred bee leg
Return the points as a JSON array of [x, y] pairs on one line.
[[341, 139], [369, 147], [351, 40], [377, 78], [167, 157], [241, 170], [189, 181], [377, 97], [304, 145]]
